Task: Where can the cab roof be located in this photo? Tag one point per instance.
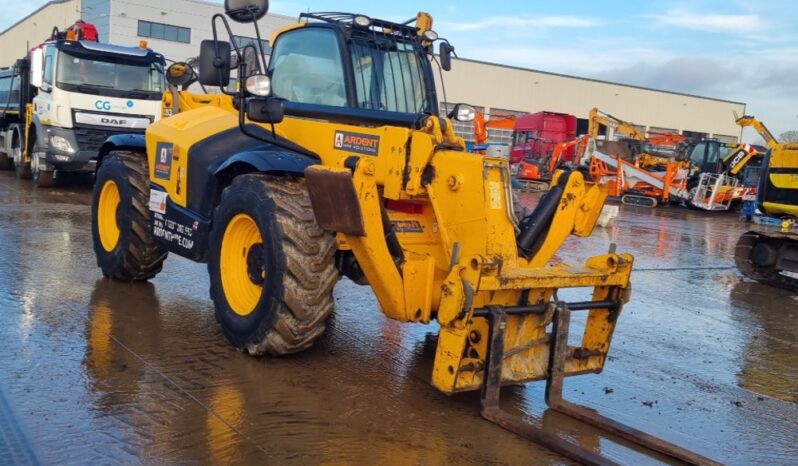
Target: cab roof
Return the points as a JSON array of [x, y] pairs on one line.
[[347, 20]]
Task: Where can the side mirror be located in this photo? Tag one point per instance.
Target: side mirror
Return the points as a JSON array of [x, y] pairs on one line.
[[265, 110], [446, 55], [36, 67], [246, 11], [214, 63], [179, 74]]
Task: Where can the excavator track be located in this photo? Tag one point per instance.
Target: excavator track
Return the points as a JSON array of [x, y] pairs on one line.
[[635, 199], [743, 258]]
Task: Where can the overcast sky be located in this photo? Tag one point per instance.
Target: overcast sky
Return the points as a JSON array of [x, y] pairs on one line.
[[738, 50]]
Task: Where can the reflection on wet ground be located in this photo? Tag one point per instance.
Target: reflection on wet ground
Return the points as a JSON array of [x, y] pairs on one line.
[[102, 372]]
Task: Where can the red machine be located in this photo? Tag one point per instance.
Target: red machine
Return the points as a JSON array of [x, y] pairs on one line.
[[81, 30], [537, 141], [537, 134]]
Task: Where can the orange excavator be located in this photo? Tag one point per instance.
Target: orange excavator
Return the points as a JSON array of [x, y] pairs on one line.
[[654, 175], [531, 176], [496, 121]]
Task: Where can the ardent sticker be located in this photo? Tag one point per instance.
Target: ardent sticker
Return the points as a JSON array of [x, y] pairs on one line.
[[357, 142], [407, 226], [163, 160]]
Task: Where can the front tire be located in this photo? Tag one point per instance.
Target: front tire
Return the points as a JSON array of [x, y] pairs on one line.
[[272, 268], [22, 169], [121, 231], [41, 178]]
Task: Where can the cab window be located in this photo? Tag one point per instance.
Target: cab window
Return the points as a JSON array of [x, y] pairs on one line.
[[697, 156], [713, 154], [49, 62], [306, 67]]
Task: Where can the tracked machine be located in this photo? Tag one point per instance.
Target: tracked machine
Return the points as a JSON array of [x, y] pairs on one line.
[[332, 160], [769, 252]]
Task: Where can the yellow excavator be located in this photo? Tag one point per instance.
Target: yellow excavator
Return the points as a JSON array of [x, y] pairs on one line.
[[332, 159], [769, 252]]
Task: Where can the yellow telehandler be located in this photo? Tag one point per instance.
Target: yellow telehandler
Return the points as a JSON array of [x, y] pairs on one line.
[[332, 159]]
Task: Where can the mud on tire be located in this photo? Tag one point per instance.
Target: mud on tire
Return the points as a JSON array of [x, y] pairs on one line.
[[295, 263], [135, 255]]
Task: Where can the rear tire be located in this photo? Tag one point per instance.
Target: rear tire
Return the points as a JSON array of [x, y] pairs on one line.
[[272, 268], [22, 170], [121, 231], [6, 162]]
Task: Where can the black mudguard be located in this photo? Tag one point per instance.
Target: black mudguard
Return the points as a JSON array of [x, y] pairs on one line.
[[216, 160], [128, 141]]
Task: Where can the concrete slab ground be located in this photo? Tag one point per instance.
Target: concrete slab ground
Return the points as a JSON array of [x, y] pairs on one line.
[[98, 372]]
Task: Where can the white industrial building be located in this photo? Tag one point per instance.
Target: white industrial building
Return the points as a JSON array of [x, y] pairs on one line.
[[175, 28]]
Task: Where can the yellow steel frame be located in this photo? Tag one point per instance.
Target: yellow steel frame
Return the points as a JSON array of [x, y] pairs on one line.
[[464, 255]]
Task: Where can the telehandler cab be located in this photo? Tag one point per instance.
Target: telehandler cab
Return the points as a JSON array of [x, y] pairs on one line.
[[333, 159]]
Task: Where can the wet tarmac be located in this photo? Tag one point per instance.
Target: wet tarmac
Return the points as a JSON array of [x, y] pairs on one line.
[[95, 371]]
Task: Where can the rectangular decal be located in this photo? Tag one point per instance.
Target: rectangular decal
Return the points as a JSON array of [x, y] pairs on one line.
[[407, 226], [163, 160], [495, 194], [158, 201], [357, 142], [173, 232]]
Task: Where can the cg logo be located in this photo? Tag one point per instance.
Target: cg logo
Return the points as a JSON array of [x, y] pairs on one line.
[[102, 105]]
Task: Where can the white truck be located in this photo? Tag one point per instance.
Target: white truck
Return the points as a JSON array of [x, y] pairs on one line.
[[59, 104]]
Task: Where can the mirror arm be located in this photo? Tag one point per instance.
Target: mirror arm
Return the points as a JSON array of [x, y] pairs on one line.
[[262, 57], [216, 45]]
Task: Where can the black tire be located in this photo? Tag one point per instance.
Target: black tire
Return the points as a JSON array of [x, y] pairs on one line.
[[6, 162], [692, 187], [41, 178], [135, 256], [22, 170], [295, 298]]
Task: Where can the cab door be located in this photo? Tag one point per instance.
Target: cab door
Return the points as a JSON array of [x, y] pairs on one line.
[[43, 108]]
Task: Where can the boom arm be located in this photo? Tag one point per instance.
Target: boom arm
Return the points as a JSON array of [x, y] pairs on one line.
[[598, 118], [747, 120]]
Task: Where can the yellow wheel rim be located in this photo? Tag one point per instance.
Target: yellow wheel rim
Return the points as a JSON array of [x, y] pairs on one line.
[[240, 235], [106, 215]]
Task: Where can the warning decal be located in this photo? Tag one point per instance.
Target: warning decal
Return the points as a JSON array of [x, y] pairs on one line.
[[163, 160], [407, 226]]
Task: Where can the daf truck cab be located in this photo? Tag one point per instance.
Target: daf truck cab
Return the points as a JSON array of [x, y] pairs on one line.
[[74, 94]]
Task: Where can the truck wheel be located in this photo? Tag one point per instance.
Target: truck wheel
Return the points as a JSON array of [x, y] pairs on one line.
[[21, 168], [272, 268], [6, 162], [41, 178], [123, 241]]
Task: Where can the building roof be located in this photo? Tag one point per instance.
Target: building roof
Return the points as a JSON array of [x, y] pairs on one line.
[[51, 2], [581, 78]]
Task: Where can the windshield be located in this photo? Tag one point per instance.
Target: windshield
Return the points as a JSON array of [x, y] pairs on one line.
[[389, 75], [697, 156], [109, 76]]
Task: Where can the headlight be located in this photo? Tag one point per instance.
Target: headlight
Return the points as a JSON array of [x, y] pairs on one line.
[[362, 21], [463, 112], [259, 85], [431, 35], [60, 143]]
